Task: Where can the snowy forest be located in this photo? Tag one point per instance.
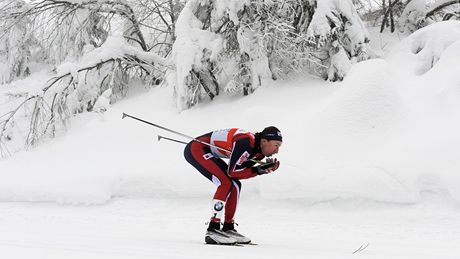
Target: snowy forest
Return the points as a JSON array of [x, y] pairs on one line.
[[59, 58]]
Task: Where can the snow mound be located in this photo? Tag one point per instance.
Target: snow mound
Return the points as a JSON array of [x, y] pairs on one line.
[[421, 50], [342, 140], [444, 79], [366, 104]]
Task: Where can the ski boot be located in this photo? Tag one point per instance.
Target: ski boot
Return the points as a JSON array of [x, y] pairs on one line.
[[230, 230], [216, 236]]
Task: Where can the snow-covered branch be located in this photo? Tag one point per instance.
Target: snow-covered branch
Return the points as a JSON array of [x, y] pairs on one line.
[[439, 5], [99, 71]]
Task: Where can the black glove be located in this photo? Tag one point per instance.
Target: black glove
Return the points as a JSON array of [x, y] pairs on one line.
[[265, 167]]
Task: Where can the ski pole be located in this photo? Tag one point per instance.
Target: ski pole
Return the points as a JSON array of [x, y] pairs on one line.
[[175, 132], [171, 139], [183, 142], [180, 134], [158, 126]]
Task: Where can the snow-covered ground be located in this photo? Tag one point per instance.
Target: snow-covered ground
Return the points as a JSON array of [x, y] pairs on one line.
[[174, 228], [373, 159]]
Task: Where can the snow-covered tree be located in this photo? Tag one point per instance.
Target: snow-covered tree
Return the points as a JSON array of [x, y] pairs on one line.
[[229, 46], [414, 16], [17, 45], [94, 51], [337, 28], [420, 13]]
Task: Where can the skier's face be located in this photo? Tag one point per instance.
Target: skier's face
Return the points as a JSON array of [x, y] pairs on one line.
[[270, 147]]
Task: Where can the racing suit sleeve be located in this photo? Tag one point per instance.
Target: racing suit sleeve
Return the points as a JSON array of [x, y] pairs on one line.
[[239, 166]]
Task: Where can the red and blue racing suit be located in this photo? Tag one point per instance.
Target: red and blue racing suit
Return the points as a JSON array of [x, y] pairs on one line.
[[242, 147]]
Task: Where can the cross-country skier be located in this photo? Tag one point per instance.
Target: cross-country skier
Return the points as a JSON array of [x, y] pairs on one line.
[[242, 148]]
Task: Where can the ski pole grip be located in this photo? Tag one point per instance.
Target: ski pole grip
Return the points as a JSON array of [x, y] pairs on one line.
[[267, 165]]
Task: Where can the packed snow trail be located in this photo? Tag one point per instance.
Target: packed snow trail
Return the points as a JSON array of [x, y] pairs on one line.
[[174, 228]]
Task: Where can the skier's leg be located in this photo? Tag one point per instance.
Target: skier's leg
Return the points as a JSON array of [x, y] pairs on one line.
[[230, 210], [214, 169], [232, 201]]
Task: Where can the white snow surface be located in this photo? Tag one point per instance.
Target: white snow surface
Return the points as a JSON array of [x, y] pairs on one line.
[[373, 159]]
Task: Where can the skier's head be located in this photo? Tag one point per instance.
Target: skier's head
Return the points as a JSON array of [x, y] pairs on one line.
[[270, 140]]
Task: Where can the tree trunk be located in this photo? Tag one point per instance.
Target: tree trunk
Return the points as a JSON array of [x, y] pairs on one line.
[[392, 22], [384, 20]]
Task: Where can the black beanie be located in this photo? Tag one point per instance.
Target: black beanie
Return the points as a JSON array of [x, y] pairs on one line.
[[271, 133]]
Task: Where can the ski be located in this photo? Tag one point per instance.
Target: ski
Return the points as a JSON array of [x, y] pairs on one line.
[[237, 245], [361, 248]]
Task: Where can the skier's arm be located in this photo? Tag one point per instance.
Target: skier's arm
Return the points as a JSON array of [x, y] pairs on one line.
[[269, 166], [239, 167]]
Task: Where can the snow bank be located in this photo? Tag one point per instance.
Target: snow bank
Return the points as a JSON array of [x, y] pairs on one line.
[[365, 103], [343, 138], [444, 79], [421, 50]]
